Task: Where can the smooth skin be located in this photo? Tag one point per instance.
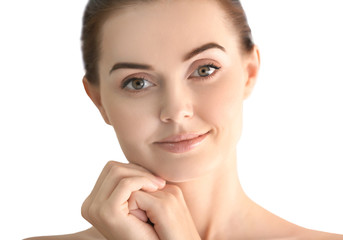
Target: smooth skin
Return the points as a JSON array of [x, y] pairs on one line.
[[194, 194]]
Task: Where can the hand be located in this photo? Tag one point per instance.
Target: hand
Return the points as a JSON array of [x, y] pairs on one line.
[[106, 208], [168, 211]]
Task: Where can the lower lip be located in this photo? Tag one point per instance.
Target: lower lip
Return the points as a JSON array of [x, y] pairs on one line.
[[182, 146]]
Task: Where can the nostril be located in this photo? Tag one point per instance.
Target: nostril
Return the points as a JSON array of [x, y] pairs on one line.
[[176, 115], [188, 114]]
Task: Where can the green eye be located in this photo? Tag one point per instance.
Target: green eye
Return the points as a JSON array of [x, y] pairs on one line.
[[205, 71], [136, 84]]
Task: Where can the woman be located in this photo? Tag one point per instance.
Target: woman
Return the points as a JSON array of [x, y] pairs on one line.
[[171, 78]]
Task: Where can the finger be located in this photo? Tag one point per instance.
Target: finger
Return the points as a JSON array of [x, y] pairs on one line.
[[109, 167], [111, 180], [121, 194], [153, 203], [140, 214], [118, 172], [101, 178], [159, 181], [173, 189], [145, 202]]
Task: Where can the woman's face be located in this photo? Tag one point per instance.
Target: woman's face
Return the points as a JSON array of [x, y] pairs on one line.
[[172, 84]]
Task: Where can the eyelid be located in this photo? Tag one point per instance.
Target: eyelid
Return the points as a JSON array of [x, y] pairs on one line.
[[204, 63], [194, 67], [130, 80], [141, 76]]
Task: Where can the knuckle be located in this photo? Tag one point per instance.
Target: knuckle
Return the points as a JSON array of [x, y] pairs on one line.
[[84, 212], [126, 182], [114, 170], [114, 167], [85, 208], [134, 196], [93, 211], [110, 164], [175, 191], [100, 214], [117, 170], [88, 212]]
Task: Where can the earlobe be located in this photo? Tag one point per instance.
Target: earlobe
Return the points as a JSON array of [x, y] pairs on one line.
[[252, 69], [93, 92]]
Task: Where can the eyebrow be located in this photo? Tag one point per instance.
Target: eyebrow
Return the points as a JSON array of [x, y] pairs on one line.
[[201, 49], [188, 56], [131, 65]]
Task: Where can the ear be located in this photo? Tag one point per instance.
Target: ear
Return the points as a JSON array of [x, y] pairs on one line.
[[252, 69], [93, 92]]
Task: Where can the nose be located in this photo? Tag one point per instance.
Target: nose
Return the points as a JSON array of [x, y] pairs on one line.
[[176, 106]]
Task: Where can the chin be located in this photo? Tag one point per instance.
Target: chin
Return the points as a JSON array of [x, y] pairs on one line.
[[178, 168], [184, 169]]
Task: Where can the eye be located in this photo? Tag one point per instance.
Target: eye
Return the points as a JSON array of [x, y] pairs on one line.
[[205, 70], [136, 84]]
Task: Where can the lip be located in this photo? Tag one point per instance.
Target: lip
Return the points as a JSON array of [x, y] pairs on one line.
[[182, 143]]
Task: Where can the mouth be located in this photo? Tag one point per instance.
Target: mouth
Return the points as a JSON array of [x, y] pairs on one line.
[[182, 143]]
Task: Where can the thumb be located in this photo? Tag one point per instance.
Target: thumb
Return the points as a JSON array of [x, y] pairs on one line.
[[135, 210]]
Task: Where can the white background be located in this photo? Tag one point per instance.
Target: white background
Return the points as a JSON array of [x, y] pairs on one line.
[[54, 144]]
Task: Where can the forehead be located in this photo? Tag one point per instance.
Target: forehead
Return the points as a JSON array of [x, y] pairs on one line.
[[161, 29]]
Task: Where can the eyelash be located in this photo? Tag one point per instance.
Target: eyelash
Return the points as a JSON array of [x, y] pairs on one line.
[[125, 83], [210, 65], [128, 81]]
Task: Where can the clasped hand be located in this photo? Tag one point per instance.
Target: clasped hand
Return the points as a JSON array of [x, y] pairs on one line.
[[128, 202]]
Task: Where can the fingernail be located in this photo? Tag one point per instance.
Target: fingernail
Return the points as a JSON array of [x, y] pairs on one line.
[[154, 186], [160, 181]]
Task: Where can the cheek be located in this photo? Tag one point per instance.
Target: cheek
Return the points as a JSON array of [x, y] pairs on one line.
[[128, 124], [134, 124], [221, 106], [221, 102]]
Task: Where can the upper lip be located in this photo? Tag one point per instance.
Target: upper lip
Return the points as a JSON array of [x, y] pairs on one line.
[[180, 137]]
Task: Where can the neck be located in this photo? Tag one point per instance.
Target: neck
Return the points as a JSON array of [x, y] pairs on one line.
[[217, 201]]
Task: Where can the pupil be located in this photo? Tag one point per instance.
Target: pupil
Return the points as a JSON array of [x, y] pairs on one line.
[[138, 84], [203, 71]]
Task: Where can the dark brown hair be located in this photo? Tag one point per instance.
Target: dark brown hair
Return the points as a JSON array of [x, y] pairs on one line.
[[97, 12]]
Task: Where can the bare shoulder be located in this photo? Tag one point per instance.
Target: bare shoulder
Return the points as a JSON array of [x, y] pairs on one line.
[[89, 234], [317, 235], [267, 225]]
